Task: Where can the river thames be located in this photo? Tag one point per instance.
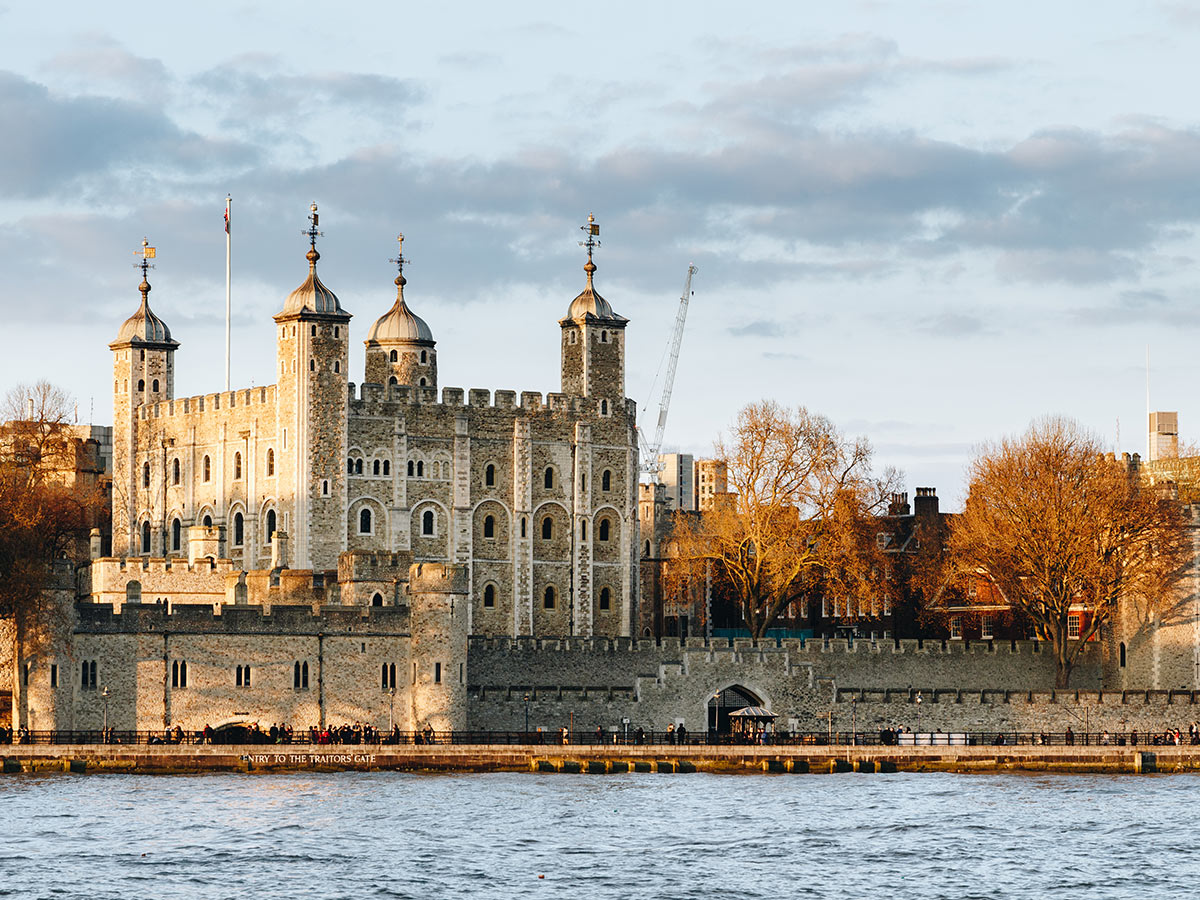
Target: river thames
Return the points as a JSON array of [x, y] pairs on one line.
[[366, 835]]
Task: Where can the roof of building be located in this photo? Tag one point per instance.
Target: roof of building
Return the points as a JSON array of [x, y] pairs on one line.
[[144, 327], [312, 295], [590, 303], [399, 323]]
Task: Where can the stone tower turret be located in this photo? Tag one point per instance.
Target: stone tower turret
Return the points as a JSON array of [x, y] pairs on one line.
[[439, 624], [312, 354], [143, 373], [593, 340], [400, 346]]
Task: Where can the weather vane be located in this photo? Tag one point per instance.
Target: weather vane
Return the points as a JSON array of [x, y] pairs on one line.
[[311, 233], [147, 253], [592, 230], [399, 259]]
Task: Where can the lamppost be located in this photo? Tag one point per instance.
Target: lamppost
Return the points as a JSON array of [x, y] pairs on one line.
[[854, 721], [526, 698], [919, 699], [391, 709], [104, 730]]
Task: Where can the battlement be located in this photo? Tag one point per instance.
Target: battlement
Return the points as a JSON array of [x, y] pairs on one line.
[[1091, 699], [374, 395], [203, 618], [112, 566], [361, 565], [191, 407]]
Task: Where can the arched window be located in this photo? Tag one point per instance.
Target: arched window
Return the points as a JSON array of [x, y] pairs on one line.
[[604, 407], [548, 478], [304, 676], [424, 359], [270, 462], [606, 480], [146, 475], [523, 521], [237, 466], [393, 356], [489, 476], [349, 465], [489, 526], [141, 384], [364, 521], [605, 598], [387, 467], [377, 600], [583, 529], [647, 553], [206, 469], [146, 536], [239, 529], [420, 469], [270, 525], [489, 596], [604, 337], [133, 592], [358, 467], [296, 675], [393, 380], [548, 598], [410, 468], [603, 530], [547, 528], [324, 487], [154, 385], [176, 534], [427, 522], [208, 521], [1122, 648], [375, 467], [175, 471], [312, 365], [337, 366]]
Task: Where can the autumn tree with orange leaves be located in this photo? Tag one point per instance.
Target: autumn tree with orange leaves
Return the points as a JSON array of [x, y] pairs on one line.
[[798, 519], [1061, 529]]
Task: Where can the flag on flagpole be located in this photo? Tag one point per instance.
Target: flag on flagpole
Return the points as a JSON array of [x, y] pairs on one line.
[[227, 219]]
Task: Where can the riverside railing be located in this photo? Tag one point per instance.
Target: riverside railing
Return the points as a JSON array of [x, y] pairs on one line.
[[349, 736]]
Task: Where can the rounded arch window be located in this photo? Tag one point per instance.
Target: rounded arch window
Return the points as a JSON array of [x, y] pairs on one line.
[[146, 475], [206, 468], [605, 598], [146, 536], [647, 553], [154, 385], [141, 384], [604, 337], [548, 598], [548, 477], [239, 529], [393, 357], [547, 528], [364, 521], [237, 466], [393, 380], [175, 471], [208, 521], [133, 592], [489, 475], [270, 525], [375, 467], [489, 596], [377, 600], [358, 464], [176, 534], [270, 462], [489, 526], [606, 480], [604, 407], [422, 382], [410, 468], [424, 359], [387, 467], [427, 522], [420, 469], [604, 529]]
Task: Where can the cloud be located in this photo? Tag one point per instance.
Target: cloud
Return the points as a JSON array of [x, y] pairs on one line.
[[954, 325], [761, 328], [53, 141], [98, 60]]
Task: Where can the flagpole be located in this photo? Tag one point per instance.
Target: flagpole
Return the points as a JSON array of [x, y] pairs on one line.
[[228, 270]]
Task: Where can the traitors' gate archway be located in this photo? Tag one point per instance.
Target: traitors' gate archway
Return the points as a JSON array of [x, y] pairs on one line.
[[729, 700]]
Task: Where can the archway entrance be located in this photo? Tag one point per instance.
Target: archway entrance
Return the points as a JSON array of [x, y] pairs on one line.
[[727, 701]]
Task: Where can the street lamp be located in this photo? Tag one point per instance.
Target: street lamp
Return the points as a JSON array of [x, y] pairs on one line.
[[104, 730], [391, 709], [854, 721], [919, 699], [526, 698]]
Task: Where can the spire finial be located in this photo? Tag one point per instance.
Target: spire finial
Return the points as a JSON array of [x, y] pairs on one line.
[[147, 253], [312, 234], [400, 259], [592, 230]]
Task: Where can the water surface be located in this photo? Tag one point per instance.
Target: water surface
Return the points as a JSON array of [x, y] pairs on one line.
[[369, 835]]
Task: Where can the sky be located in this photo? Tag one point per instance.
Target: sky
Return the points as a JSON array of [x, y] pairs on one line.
[[932, 222]]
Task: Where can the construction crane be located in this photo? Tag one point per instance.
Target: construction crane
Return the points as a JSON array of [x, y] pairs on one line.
[[650, 464]]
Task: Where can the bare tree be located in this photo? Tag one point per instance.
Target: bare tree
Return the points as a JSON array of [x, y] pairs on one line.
[[1062, 530], [798, 518]]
